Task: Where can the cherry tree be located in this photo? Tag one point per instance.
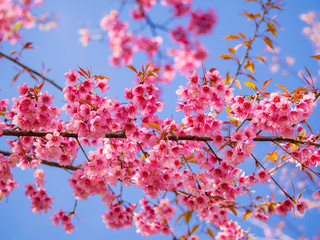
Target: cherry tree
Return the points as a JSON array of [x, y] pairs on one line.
[[215, 167]]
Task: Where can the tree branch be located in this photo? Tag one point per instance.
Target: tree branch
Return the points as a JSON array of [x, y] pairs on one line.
[[45, 162], [246, 55], [30, 70], [285, 193], [121, 134], [304, 165]]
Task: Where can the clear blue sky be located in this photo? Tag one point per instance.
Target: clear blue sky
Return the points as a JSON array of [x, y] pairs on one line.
[[60, 50]]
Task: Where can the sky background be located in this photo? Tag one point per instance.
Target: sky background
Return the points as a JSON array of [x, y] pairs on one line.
[[60, 50]]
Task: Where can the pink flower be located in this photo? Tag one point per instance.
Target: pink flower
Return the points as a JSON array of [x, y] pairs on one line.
[[263, 176], [72, 77], [301, 207]]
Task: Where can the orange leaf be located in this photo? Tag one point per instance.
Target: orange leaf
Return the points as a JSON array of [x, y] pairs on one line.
[[310, 176], [251, 77], [15, 78], [28, 45], [237, 82], [283, 88], [261, 59], [225, 56], [272, 28], [250, 66], [154, 125], [251, 84], [316, 57], [247, 214], [232, 51], [242, 35], [231, 36], [210, 233], [268, 42], [266, 83], [132, 68]]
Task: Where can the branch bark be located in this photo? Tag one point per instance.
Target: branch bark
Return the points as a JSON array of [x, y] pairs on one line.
[[121, 134], [48, 163]]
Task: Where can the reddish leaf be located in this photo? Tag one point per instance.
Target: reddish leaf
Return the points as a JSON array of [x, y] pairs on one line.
[[283, 88], [231, 36], [310, 176], [268, 42], [266, 83], [28, 46], [132, 68], [225, 56], [15, 78]]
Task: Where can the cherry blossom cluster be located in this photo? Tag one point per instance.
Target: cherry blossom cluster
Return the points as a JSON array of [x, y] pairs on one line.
[[32, 110], [83, 187], [117, 217], [278, 114], [7, 184], [16, 16], [124, 43], [65, 221], [205, 180], [150, 221], [39, 198]]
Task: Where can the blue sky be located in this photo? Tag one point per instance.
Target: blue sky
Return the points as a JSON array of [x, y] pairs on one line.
[[60, 50]]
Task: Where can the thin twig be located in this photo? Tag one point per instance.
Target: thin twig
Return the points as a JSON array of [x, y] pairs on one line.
[[285, 193], [249, 46], [82, 150], [144, 153], [30, 70], [305, 166], [219, 159], [121, 134], [45, 162], [278, 167]]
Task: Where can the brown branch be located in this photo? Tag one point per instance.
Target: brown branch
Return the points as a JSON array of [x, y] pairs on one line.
[[246, 55], [304, 165], [278, 167], [121, 134], [84, 153], [285, 193], [45, 162], [30, 70]]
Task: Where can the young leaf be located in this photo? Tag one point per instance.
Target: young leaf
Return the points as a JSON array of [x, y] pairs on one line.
[[250, 66], [15, 78], [28, 46], [230, 36], [242, 35], [232, 51], [188, 216], [154, 125], [261, 59], [210, 233], [266, 83], [195, 227], [247, 214], [180, 216], [228, 110], [268, 42], [283, 88], [251, 84], [132, 68], [237, 82], [316, 57], [272, 28], [225, 56]]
